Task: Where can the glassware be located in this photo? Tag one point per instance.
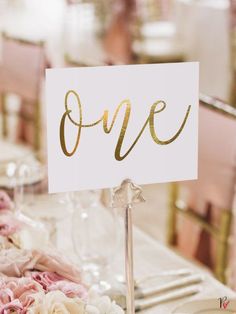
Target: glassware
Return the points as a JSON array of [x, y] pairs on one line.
[[7, 175], [33, 202], [95, 237], [9, 166], [11, 155]]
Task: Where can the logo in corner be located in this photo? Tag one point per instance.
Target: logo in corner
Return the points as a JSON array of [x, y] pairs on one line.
[[223, 302]]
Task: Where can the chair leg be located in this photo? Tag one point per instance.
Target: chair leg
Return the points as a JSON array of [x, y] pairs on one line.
[[4, 115], [223, 246], [172, 215]]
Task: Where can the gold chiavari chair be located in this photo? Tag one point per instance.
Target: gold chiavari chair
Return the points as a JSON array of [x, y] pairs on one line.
[[102, 9], [155, 36], [21, 71], [206, 210], [84, 62], [153, 10], [85, 23]]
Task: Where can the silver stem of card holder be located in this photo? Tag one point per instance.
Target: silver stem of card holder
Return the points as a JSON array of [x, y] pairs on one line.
[[126, 196]]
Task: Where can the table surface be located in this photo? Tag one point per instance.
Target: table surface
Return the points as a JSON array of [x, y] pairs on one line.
[[150, 256]]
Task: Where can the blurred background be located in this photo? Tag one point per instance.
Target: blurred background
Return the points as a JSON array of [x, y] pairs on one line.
[[195, 219]]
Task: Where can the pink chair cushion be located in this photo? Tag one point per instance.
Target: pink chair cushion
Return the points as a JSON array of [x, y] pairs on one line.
[[214, 189], [217, 161], [21, 68]]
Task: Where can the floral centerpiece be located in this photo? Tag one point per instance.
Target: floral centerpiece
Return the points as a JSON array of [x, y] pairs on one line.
[[33, 281], [47, 292]]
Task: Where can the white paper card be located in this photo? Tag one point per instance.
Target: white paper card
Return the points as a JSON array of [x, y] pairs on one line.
[[106, 124]]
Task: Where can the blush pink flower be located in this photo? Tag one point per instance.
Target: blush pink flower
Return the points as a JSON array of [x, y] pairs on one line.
[[17, 294], [51, 282], [13, 307], [70, 289], [23, 289], [46, 278], [5, 201]]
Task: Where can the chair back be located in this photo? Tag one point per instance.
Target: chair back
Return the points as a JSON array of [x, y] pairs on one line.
[[217, 159], [209, 200], [21, 68]]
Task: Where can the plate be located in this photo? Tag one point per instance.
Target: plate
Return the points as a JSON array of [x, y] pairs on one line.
[[208, 306], [11, 152], [11, 156]]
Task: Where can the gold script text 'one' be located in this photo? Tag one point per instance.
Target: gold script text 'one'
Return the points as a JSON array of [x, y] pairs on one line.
[[157, 107]]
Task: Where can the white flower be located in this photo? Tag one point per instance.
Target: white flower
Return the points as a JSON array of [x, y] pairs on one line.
[[102, 305], [55, 302], [91, 309]]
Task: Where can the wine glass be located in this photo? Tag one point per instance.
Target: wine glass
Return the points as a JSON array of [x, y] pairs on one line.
[[10, 158], [7, 175], [33, 203], [95, 236]]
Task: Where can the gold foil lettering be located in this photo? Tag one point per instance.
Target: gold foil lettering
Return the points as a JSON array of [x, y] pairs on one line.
[[157, 107]]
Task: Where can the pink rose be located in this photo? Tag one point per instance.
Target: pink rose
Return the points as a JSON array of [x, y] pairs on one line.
[[5, 201], [12, 307], [70, 289], [23, 289], [51, 281], [45, 279], [17, 294]]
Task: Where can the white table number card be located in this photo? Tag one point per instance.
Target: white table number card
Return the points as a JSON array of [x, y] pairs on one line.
[[107, 124]]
